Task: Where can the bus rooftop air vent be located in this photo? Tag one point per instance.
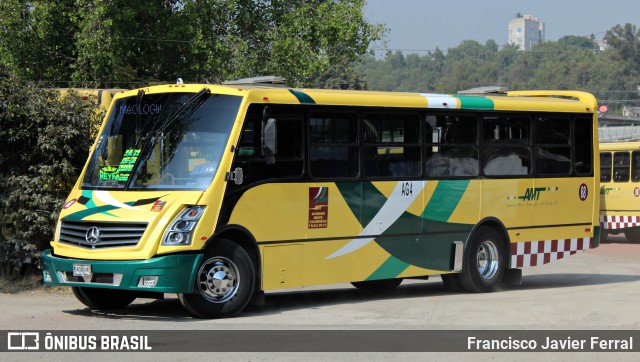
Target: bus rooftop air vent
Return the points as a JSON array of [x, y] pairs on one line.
[[269, 80], [494, 89]]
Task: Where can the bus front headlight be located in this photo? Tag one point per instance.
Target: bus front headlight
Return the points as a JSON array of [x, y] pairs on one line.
[[180, 231]]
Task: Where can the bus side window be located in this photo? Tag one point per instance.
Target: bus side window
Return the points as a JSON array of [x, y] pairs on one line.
[[333, 145], [621, 166], [452, 145], [635, 166], [506, 145], [583, 147], [605, 167], [392, 145], [553, 146], [288, 160]]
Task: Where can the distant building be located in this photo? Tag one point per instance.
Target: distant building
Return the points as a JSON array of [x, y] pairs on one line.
[[630, 111], [525, 31]]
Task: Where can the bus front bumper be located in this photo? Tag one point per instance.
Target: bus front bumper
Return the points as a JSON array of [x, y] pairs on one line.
[[163, 274]]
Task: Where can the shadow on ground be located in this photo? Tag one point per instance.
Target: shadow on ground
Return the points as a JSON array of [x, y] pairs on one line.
[[280, 302]]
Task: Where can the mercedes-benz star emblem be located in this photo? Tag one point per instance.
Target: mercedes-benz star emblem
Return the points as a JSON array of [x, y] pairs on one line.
[[93, 235]]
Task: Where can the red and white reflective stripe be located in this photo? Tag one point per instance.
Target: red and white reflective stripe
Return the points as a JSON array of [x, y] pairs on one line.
[[533, 253], [619, 222]]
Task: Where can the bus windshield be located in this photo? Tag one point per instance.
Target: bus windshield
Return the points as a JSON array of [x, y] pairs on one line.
[[162, 141]]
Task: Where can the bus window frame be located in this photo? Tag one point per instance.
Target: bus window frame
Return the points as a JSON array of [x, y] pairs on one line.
[[627, 167], [609, 167], [355, 144], [365, 145]]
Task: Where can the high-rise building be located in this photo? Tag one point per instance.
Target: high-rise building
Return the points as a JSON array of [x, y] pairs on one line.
[[526, 31]]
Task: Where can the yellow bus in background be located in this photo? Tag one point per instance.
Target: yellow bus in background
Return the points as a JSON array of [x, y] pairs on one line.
[[221, 192], [620, 189], [101, 98]]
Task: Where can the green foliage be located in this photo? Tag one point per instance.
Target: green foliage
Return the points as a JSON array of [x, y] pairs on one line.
[[572, 62], [120, 43], [36, 38], [44, 142]]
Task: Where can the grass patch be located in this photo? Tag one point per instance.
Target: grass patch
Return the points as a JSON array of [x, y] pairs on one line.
[[30, 283], [21, 284]]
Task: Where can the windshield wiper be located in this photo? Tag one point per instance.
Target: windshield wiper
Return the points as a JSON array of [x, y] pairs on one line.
[[185, 110], [138, 131], [157, 131]]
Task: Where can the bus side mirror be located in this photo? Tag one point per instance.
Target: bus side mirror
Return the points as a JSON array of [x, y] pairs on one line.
[[237, 176], [269, 140]]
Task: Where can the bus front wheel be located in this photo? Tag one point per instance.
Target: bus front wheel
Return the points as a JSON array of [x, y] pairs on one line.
[[224, 284], [103, 299], [485, 262]]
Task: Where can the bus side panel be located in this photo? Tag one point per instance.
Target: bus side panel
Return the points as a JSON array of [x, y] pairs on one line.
[[323, 233], [314, 218], [509, 201], [449, 214], [557, 195]]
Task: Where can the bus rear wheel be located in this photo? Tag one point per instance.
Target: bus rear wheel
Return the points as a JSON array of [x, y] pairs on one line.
[[104, 299], [224, 283], [484, 263]]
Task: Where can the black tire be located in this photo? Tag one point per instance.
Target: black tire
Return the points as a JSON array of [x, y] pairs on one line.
[[484, 262], [224, 284], [452, 282], [378, 285], [632, 234], [104, 299]]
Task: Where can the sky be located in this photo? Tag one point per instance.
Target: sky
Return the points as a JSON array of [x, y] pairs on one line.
[[417, 26]]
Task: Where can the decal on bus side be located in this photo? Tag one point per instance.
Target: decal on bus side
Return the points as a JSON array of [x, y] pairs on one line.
[[393, 208]]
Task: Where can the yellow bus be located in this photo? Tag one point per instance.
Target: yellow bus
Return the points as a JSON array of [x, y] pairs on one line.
[[220, 192], [620, 189]]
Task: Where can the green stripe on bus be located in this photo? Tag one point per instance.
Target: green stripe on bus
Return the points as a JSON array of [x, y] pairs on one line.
[[411, 238], [354, 193], [445, 199], [391, 268], [89, 195], [474, 102], [94, 210], [302, 97]]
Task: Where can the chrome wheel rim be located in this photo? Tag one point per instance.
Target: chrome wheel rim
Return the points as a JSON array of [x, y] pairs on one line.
[[218, 279], [488, 260]]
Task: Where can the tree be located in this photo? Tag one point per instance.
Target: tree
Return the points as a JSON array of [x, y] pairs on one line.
[[44, 142], [119, 43], [625, 40], [299, 40], [470, 65], [573, 62], [577, 41], [36, 38]]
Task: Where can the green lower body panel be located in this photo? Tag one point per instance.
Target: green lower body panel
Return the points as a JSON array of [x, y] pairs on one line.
[[175, 273]]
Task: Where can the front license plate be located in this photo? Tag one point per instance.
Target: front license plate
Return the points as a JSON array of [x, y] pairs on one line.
[[81, 270]]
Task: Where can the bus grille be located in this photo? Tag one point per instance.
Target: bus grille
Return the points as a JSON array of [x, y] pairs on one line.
[[95, 235]]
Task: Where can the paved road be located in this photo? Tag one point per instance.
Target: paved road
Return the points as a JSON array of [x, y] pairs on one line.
[[598, 289]]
